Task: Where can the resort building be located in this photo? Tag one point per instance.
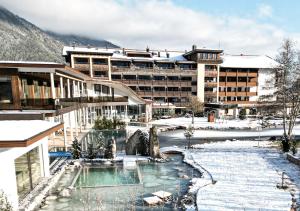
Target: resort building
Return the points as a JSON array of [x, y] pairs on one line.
[[169, 78], [24, 156], [58, 93]]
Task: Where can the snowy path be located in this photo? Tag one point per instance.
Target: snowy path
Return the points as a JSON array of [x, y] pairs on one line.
[[246, 177]]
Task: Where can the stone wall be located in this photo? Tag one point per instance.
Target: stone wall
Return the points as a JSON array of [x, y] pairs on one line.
[[293, 159]]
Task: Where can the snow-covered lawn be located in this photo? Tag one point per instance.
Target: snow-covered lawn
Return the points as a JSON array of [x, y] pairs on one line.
[[201, 122], [246, 177]]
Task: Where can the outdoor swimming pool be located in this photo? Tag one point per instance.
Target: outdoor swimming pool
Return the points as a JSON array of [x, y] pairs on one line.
[[116, 188], [106, 176]]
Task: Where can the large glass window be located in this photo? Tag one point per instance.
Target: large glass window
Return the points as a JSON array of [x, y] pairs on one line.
[[5, 91], [28, 172]]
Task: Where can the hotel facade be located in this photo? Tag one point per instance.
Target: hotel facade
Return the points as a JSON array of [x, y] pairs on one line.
[[169, 78]]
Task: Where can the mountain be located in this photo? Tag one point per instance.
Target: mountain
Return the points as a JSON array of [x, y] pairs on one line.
[[70, 39], [21, 40]]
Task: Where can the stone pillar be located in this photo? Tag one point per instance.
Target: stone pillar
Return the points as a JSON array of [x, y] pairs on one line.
[[69, 88], [218, 70], [76, 123], [61, 83], [44, 158], [65, 132], [74, 88], [71, 127], [53, 92], [109, 68], [82, 89], [91, 67]]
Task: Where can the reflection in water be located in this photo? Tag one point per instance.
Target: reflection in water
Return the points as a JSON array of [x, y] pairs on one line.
[[170, 176]]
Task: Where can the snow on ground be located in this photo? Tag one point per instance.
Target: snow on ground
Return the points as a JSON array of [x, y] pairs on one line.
[[201, 122], [246, 177], [235, 134]]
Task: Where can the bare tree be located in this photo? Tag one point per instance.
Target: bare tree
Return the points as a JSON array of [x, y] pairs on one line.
[[195, 105], [288, 89]]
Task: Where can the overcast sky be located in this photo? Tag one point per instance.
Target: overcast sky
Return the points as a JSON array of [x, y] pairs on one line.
[[237, 26]]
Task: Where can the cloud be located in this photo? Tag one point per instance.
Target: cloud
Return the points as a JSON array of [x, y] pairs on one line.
[[157, 24], [265, 11]]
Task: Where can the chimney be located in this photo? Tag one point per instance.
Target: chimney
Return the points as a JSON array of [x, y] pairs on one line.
[[158, 54], [194, 47], [123, 51], [147, 49], [168, 55]]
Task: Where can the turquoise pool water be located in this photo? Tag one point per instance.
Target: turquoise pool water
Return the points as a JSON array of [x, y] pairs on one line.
[[109, 176], [97, 196]]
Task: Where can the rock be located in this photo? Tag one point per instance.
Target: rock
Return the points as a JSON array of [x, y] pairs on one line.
[[51, 198], [138, 143], [65, 193], [77, 164], [184, 176], [154, 143]]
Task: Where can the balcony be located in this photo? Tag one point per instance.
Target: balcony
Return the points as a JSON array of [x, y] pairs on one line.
[[38, 104], [100, 99], [100, 67], [185, 83], [82, 67], [252, 74], [128, 81], [211, 84], [241, 84], [173, 93], [222, 73], [210, 93], [252, 84], [222, 94], [159, 93], [159, 82], [231, 74], [241, 94], [210, 61], [211, 73], [251, 93], [145, 82], [173, 83], [242, 74]]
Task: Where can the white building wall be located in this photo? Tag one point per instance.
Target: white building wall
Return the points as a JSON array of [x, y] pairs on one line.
[[200, 81], [8, 182], [266, 83]]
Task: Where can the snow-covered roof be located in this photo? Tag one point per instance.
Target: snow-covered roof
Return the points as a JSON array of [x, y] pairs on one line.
[[117, 53], [27, 62], [67, 49], [23, 129], [248, 61]]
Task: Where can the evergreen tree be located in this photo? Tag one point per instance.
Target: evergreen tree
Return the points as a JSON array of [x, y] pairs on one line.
[[76, 149]]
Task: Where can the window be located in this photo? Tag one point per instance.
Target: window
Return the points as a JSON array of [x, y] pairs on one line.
[[116, 76], [129, 77], [28, 171], [186, 89], [159, 78], [144, 77], [186, 78], [6, 90], [100, 61], [81, 60]]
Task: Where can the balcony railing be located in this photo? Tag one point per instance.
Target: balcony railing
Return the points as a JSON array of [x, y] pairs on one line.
[[38, 104], [99, 99]]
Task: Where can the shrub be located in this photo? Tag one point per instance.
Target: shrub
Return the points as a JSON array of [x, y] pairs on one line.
[[4, 203], [108, 124], [76, 149], [242, 114]]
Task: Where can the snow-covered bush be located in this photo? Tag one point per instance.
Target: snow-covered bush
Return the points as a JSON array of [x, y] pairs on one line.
[[4, 204]]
